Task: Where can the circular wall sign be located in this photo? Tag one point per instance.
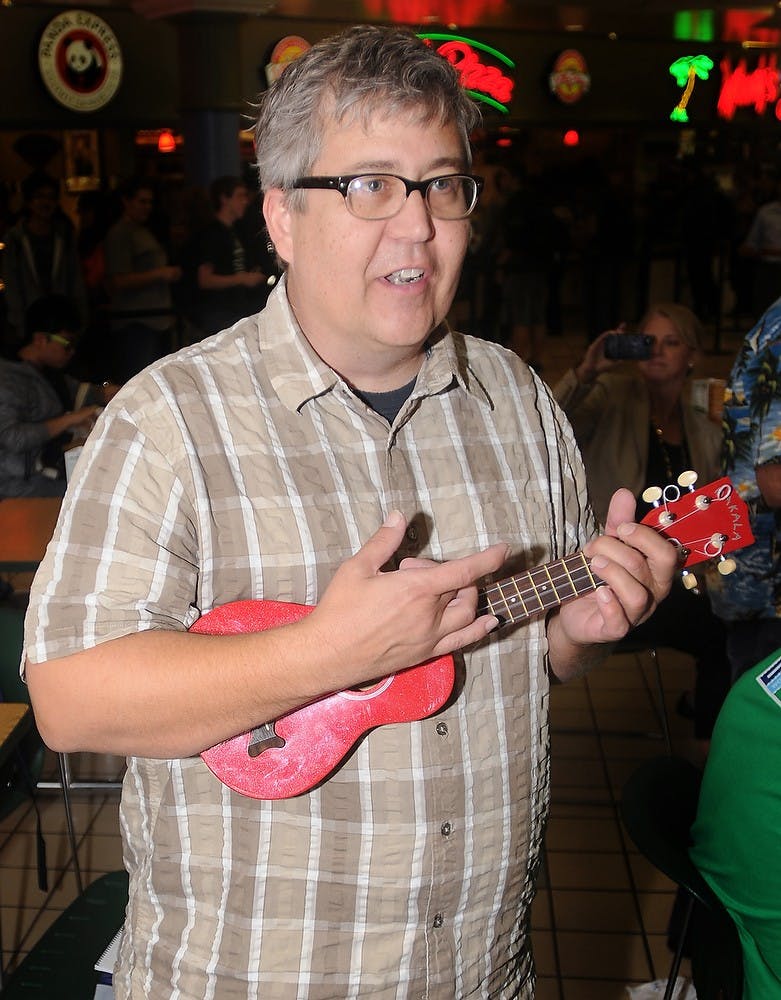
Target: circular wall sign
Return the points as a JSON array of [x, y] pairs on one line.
[[570, 78], [80, 60]]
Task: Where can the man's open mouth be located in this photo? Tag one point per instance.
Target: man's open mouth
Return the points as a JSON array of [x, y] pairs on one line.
[[405, 276]]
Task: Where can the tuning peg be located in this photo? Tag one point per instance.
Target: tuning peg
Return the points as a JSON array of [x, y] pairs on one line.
[[726, 566], [717, 540], [702, 502], [689, 580], [652, 495], [687, 479]]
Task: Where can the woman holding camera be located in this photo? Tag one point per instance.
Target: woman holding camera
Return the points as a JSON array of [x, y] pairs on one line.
[[636, 428]]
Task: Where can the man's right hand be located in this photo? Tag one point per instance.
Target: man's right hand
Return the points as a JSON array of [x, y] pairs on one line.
[[392, 620]]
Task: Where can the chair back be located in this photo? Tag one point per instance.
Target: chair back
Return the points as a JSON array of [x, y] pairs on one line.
[[658, 807], [19, 775]]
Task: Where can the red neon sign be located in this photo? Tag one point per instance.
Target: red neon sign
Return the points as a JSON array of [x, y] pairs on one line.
[[744, 88], [484, 82]]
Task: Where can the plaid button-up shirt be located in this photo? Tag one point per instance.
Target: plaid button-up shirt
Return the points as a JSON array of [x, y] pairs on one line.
[[244, 467]]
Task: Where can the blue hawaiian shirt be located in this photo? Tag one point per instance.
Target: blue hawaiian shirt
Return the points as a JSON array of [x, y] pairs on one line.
[[752, 437]]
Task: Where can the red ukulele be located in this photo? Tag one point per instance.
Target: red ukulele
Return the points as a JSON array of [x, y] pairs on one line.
[[294, 753]]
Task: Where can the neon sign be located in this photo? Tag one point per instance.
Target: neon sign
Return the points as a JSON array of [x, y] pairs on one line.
[[744, 88], [481, 81], [686, 70], [569, 80]]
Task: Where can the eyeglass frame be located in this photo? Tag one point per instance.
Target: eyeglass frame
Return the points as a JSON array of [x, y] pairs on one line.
[[62, 341], [343, 182]]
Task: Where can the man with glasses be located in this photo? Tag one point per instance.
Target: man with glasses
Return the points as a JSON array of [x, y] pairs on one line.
[[42, 407], [342, 449]]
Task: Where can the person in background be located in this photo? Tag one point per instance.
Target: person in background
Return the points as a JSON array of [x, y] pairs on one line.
[[636, 428], [138, 278], [41, 407], [335, 450], [228, 288], [735, 837], [531, 236], [763, 246], [40, 256], [749, 600]]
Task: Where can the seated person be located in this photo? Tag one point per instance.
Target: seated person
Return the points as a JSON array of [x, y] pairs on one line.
[[736, 833], [41, 407], [636, 428]]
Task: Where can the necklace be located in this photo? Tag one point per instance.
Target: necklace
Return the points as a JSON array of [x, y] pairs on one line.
[[680, 451]]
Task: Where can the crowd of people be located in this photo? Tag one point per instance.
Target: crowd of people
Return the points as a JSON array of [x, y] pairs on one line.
[[337, 444]]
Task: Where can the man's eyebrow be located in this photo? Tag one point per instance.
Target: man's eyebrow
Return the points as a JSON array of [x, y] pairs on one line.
[[392, 167]]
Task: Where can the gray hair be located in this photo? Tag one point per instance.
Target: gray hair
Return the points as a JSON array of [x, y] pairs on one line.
[[350, 77]]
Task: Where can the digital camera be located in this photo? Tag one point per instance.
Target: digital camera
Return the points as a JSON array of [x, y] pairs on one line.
[[628, 346]]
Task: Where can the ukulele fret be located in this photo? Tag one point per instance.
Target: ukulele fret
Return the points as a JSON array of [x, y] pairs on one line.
[[527, 594]]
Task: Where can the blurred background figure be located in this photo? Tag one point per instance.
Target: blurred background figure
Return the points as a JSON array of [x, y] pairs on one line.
[[531, 235], [138, 279], [40, 256], [750, 599], [41, 407], [763, 244], [636, 428], [228, 285]]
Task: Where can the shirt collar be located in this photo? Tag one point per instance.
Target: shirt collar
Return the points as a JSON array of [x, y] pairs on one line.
[[299, 375]]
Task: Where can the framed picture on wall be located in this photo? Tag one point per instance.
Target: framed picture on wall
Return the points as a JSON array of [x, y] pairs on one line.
[[82, 160]]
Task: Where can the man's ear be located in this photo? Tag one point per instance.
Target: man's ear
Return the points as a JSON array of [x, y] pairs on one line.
[[278, 222]]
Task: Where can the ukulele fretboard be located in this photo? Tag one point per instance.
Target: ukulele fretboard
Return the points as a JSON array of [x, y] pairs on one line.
[[521, 597]]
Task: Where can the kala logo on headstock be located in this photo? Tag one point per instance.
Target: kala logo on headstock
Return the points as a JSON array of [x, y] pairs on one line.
[[704, 524]]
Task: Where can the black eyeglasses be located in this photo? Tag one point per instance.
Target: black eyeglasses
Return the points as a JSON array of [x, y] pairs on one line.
[[381, 196]]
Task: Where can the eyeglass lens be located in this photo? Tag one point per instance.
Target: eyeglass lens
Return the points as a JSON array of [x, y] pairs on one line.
[[380, 196], [62, 341]]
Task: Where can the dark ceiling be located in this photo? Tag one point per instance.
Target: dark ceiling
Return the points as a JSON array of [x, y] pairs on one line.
[[637, 18], [622, 18]]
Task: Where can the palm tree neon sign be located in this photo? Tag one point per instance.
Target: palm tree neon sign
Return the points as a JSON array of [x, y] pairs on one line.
[[686, 71]]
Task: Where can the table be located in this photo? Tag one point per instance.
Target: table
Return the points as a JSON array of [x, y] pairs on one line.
[[26, 526], [15, 719]]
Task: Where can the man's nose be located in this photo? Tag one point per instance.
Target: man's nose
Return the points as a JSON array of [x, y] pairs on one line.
[[414, 218]]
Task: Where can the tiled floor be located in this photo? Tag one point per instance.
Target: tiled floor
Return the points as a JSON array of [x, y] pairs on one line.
[[601, 912]]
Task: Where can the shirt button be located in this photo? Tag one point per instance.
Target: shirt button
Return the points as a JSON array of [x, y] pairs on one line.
[[442, 729], [446, 829], [438, 920]]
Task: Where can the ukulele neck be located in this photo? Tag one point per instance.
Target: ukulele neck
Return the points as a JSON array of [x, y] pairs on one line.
[[521, 597]]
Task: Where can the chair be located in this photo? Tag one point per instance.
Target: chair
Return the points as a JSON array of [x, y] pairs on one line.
[[658, 807], [628, 645], [636, 649], [20, 774], [62, 963]]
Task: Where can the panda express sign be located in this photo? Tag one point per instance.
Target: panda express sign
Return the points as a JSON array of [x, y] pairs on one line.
[[80, 60]]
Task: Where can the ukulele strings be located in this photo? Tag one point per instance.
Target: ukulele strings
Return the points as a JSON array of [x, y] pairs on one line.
[[571, 576]]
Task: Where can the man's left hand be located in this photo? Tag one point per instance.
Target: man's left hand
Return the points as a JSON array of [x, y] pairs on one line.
[[637, 565]]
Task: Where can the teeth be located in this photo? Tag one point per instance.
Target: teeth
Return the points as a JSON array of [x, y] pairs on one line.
[[405, 275]]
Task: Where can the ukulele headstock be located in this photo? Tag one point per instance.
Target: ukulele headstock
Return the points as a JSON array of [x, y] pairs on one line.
[[704, 524]]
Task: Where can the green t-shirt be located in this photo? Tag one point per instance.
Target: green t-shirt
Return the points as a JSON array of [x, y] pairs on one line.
[[737, 833]]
